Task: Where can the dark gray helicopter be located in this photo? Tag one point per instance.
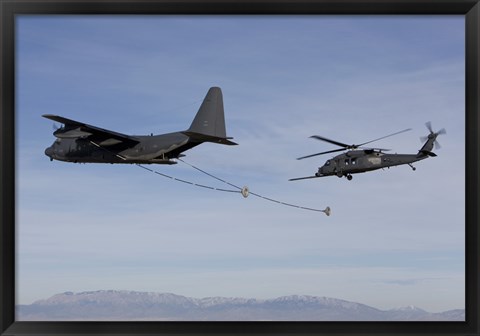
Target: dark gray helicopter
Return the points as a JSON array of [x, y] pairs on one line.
[[78, 142], [367, 159]]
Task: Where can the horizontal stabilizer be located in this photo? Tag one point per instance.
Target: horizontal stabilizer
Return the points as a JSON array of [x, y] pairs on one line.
[[209, 138], [425, 152]]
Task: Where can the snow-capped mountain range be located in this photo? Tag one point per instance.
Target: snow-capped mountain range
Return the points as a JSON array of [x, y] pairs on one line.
[[113, 305]]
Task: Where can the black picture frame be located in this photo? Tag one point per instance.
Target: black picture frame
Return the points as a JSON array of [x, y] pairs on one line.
[[11, 8]]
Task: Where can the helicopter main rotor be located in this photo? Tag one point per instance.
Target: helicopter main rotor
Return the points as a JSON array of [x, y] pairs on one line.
[[348, 147]]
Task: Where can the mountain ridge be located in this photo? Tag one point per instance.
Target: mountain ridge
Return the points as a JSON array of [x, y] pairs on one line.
[[115, 305]]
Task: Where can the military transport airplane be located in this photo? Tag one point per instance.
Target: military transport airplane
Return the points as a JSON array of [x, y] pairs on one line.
[[80, 143]]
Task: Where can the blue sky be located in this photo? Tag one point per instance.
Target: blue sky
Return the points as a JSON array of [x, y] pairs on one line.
[[395, 237]]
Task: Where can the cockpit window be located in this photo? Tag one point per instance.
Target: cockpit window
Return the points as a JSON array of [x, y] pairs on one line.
[[327, 163], [58, 141]]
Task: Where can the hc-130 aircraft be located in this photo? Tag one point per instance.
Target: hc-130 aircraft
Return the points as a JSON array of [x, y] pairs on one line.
[[80, 143], [367, 159]]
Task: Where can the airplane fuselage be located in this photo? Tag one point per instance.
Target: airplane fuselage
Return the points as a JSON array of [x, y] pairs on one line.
[[158, 149]]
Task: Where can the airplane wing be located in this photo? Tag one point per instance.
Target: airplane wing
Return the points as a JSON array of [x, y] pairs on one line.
[[103, 137]]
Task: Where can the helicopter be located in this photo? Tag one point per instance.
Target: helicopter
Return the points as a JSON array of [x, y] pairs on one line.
[[359, 159]]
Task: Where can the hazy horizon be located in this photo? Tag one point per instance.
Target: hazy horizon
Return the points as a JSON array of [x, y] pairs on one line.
[[127, 291], [111, 305]]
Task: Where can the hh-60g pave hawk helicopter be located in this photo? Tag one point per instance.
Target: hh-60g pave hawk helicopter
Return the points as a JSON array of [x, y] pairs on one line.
[[78, 142], [356, 161]]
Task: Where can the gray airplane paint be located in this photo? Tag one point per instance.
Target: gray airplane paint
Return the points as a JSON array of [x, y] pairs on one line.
[[82, 143]]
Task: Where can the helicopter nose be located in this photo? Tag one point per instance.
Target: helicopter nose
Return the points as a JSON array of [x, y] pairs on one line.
[[49, 152]]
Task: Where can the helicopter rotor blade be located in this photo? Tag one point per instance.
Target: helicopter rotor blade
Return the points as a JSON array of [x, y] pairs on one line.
[[345, 146], [375, 148], [386, 136], [429, 126], [432, 133], [330, 151], [333, 142]]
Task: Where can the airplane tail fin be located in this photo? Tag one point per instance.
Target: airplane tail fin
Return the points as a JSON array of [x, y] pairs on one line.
[[209, 122]]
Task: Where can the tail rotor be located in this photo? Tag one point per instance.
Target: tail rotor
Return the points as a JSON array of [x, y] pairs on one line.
[[433, 135]]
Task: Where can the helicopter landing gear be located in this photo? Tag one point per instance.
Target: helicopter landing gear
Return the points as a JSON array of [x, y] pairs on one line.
[[349, 177], [411, 166]]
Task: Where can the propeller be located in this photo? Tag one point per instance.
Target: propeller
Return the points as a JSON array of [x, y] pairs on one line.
[[345, 146], [428, 124]]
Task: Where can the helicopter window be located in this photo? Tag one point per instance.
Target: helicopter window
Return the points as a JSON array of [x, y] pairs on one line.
[[327, 163], [58, 141], [347, 161], [354, 161]]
